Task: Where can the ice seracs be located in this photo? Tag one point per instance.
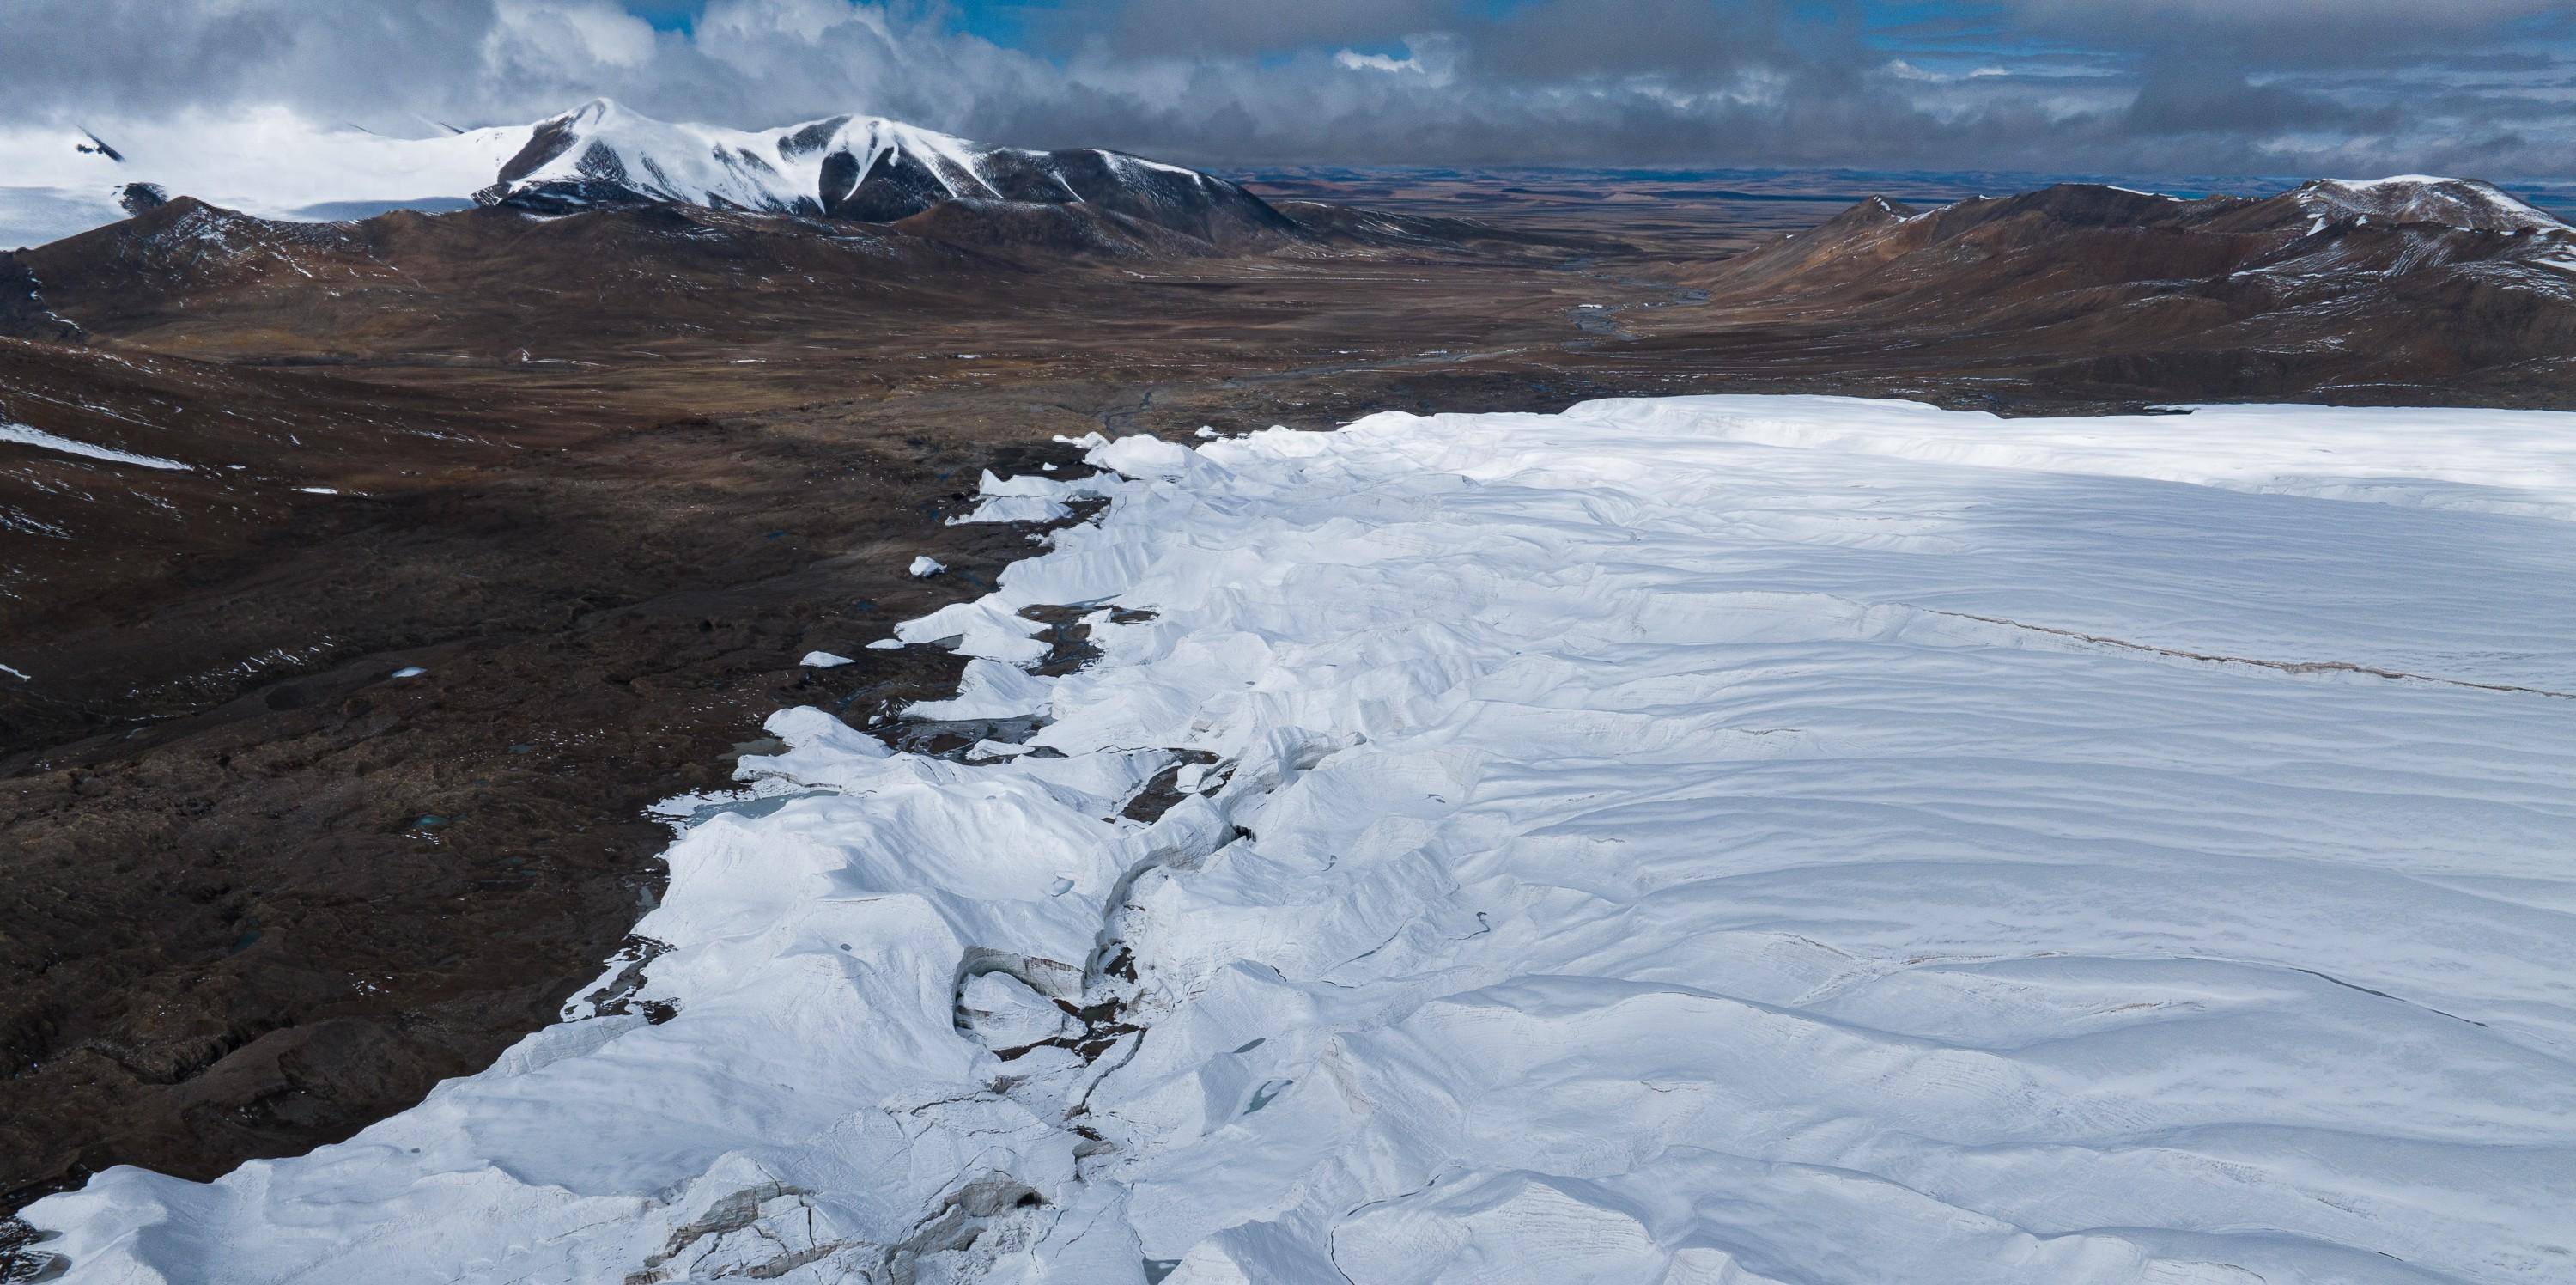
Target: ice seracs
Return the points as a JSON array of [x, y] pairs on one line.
[[1716, 839]]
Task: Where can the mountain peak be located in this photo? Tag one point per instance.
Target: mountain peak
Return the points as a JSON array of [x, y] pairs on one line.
[[2465, 203], [866, 168], [597, 109]]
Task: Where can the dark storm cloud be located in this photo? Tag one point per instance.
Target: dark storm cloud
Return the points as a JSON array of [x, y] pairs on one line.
[[1199, 28], [2198, 98], [1685, 38], [119, 55], [2136, 86]]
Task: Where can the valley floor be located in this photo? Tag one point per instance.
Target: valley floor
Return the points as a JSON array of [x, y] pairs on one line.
[[1708, 839]]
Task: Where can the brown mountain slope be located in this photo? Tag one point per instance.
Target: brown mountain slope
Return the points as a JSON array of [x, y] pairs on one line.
[[2096, 291], [611, 285], [479, 285]]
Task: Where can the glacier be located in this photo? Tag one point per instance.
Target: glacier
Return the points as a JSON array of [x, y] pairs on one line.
[[1720, 839]]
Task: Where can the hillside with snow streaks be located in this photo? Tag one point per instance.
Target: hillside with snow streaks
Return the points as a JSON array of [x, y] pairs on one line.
[[1719, 839]]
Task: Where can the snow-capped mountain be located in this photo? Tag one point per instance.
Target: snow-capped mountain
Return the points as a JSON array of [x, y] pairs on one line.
[[845, 167], [850, 167], [2467, 204]]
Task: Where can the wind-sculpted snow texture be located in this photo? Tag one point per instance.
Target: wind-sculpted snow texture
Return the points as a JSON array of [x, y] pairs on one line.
[[1725, 839]]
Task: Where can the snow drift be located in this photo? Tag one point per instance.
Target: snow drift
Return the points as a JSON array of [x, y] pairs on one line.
[[1720, 839]]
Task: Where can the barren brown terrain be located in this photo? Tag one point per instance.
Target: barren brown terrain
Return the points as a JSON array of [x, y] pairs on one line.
[[603, 479]]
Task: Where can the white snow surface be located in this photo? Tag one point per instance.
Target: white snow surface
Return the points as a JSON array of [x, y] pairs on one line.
[[925, 565], [1706, 840], [267, 162]]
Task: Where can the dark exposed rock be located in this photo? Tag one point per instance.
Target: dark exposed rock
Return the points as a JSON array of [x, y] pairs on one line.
[[135, 198], [21, 1261], [895, 186], [23, 311]]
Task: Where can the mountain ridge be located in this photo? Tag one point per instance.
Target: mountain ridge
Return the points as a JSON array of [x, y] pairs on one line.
[[2334, 287], [849, 167], [868, 169]]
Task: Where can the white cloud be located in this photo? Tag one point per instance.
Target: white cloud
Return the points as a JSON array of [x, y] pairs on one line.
[[1358, 61], [590, 31]]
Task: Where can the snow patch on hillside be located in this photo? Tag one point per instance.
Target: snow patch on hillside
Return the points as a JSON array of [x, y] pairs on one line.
[[1719, 839], [42, 440]]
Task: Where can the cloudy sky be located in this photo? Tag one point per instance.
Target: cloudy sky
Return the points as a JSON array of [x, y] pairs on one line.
[[2143, 87]]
